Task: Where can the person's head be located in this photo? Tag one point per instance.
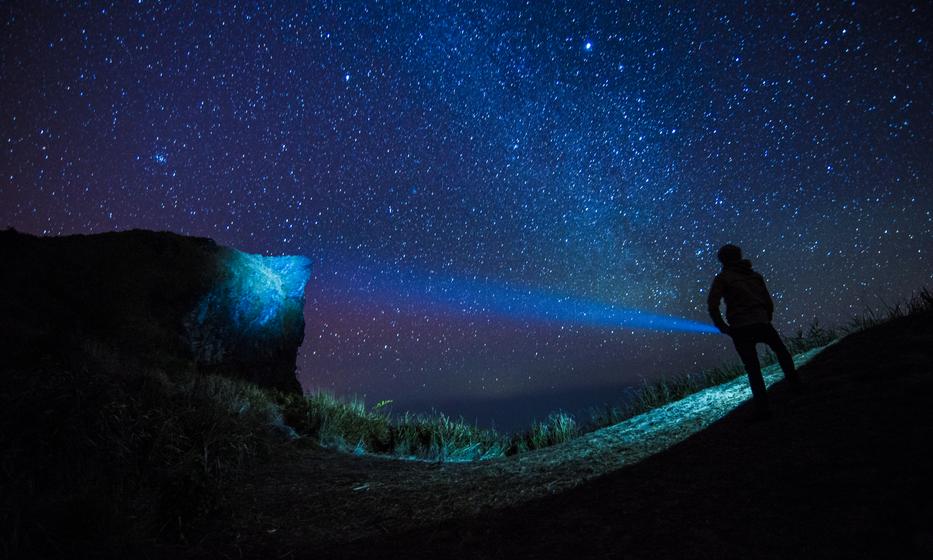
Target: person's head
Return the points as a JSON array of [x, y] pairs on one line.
[[729, 254]]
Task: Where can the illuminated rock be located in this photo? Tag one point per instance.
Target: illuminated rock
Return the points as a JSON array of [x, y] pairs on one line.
[[251, 318]]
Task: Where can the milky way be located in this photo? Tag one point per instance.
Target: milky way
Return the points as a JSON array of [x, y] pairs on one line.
[[600, 150]]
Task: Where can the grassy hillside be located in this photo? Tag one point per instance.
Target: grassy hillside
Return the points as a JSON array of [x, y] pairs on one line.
[[107, 452], [101, 456], [841, 471]]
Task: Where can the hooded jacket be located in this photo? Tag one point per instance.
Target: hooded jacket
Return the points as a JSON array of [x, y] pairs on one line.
[[747, 299]]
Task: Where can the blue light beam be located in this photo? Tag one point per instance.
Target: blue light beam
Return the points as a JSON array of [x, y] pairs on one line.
[[474, 297]]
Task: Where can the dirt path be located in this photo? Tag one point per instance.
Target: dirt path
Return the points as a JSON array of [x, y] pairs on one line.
[[324, 499]]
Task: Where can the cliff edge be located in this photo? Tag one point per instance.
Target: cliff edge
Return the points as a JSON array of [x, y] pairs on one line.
[[183, 304]]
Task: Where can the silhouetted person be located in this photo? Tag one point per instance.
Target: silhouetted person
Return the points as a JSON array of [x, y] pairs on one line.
[[749, 310]]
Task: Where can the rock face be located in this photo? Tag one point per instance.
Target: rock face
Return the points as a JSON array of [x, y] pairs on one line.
[[185, 304], [251, 320]]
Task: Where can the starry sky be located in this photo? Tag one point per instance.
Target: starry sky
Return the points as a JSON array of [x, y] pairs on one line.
[[595, 150]]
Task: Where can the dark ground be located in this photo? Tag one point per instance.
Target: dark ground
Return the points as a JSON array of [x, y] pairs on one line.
[[842, 471]]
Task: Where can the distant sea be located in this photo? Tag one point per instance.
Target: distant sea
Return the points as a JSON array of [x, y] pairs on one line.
[[517, 412]]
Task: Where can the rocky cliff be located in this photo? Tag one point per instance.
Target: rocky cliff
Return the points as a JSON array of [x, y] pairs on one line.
[[185, 304]]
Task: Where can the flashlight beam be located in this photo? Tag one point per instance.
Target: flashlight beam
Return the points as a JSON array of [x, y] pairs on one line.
[[477, 297]]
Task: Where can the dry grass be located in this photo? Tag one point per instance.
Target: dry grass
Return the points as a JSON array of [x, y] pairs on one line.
[[348, 425]]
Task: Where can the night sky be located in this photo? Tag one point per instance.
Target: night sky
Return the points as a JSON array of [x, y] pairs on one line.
[[592, 150]]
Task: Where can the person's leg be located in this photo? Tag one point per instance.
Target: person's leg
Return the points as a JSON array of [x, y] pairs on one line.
[[773, 340], [745, 346]]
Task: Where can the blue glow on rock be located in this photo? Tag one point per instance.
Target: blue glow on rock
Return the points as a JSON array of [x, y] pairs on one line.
[[255, 290], [264, 285]]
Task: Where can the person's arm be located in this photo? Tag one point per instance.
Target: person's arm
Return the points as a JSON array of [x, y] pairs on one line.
[[769, 303], [712, 303]]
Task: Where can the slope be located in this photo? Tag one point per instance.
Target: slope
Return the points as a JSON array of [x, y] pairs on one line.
[[839, 471]]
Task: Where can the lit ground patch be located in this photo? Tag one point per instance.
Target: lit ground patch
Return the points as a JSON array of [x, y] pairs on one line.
[[328, 497], [654, 431]]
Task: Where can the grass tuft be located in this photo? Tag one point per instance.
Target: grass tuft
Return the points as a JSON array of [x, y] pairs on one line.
[[347, 424], [557, 428]]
